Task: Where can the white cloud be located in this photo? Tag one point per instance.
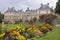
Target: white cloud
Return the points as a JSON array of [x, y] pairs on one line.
[[22, 4]]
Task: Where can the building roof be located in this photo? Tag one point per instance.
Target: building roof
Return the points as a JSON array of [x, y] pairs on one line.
[[45, 6], [10, 10]]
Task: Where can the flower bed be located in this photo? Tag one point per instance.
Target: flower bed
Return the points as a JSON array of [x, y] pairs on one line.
[[20, 33]]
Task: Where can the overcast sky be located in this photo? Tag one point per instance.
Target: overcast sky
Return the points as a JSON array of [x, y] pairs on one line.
[[23, 4]]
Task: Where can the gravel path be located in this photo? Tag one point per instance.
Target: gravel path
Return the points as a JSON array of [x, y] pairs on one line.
[[57, 25]]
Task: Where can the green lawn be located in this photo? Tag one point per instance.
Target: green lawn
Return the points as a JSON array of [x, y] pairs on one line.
[[23, 25]]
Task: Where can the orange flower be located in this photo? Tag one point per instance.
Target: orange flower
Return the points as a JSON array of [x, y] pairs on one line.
[[16, 33], [11, 30]]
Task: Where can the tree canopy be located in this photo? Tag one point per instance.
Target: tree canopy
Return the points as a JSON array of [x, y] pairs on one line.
[[57, 9], [1, 16]]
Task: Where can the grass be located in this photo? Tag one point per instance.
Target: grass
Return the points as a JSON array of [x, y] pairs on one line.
[[23, 25], [57, 21]]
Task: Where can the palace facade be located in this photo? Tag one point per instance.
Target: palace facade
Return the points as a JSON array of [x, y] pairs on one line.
[[12, 15]]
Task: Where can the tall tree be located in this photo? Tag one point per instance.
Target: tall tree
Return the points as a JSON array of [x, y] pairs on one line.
[[57, 9], [1, 16]]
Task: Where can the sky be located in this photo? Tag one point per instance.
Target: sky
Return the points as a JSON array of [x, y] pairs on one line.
[[23, 4]]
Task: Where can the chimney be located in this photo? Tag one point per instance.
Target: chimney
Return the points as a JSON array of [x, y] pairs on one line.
[[47, 3], [8, 8], [41, 4], [27, 8]]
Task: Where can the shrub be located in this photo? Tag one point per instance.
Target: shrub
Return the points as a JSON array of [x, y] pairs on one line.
[[45, 28], [34, 19], [21, 20], [16, 22], [47, 18]]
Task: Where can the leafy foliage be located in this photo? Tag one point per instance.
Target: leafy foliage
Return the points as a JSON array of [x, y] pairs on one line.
[[47, 18], [34, 19], [1, 16], [57, 9]]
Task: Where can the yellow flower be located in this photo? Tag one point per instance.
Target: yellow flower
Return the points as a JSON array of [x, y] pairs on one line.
[[23, 29], [19, 37], [18, 27], [19, 30], [35, 30], [30, 29], [44, 27], [1, 35]]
